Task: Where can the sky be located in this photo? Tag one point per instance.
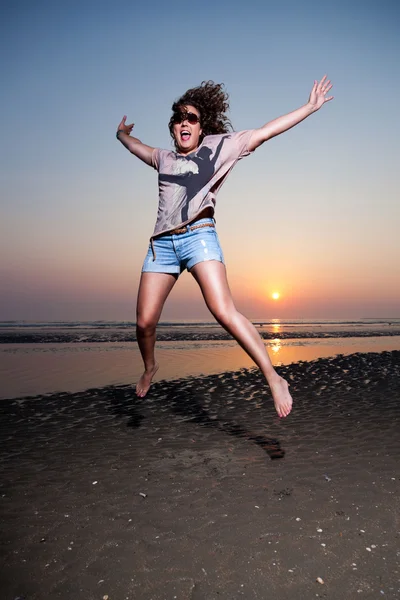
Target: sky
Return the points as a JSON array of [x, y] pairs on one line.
[[313, 214]]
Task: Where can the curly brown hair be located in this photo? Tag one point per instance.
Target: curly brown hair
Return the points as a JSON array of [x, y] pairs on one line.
[[212, 102]]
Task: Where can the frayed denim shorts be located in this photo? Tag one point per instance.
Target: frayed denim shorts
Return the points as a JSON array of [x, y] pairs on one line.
[[176, 252]]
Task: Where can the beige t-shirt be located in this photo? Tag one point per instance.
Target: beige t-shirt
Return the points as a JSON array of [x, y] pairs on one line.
[[189, 184]]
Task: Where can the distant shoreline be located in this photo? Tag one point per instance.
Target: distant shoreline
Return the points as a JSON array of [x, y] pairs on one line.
[[168, 335]]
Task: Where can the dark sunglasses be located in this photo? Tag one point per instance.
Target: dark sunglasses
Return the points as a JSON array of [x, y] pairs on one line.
[[186, 116]]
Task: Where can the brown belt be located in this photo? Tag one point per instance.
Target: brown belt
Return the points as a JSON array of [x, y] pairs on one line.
[[191, 227], [179, 231]]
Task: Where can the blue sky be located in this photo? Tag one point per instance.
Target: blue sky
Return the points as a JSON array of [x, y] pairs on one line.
[[315, 211]]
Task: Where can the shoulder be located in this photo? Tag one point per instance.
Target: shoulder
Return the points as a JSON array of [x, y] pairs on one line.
[[236, 142], [160, 155], [212, 140], [229, 134]]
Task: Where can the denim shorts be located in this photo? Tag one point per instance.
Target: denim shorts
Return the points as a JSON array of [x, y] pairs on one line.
[[177, 252]]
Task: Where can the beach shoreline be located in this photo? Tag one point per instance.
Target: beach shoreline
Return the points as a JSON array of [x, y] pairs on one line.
[[188, 333], [199, 491], [45, 368]]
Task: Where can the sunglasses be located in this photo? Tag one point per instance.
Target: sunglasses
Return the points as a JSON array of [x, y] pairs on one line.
[[186, 116]]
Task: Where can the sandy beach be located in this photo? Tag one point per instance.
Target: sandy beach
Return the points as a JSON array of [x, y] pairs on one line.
[[200, 492]]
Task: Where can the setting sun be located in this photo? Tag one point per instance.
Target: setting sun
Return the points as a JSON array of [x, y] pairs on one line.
[[276, 295]]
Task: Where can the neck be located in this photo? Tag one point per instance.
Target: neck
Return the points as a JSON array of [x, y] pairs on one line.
[[186, 152]]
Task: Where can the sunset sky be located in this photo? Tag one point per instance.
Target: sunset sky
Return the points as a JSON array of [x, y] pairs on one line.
[[313, 214]]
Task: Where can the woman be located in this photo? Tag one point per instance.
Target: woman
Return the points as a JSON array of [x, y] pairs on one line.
[[184, 236]]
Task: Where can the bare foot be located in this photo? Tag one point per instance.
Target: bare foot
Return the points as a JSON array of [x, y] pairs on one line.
[[282, 398], [143, 385]]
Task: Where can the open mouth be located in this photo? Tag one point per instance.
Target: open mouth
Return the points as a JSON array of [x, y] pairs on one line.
[[185, 135]]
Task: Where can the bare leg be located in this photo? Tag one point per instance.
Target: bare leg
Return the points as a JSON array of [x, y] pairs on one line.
[[153, 292], [211, 277]]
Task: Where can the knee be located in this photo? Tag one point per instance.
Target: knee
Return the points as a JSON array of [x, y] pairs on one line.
[[224, 315], [146, 324]]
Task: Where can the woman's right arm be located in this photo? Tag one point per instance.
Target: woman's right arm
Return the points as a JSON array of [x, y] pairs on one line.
[[132, 144]]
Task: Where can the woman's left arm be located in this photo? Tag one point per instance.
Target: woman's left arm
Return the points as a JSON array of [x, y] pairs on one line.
[[269, 130]]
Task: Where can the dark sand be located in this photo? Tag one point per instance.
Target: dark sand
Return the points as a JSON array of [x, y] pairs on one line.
[[98, 333], [236, 503]]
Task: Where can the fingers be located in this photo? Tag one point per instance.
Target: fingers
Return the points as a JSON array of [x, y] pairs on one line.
[[324, 85], [124, 126], [122, 123], [325, 90]]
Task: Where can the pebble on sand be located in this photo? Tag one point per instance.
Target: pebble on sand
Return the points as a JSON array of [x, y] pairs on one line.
[[320, 580]]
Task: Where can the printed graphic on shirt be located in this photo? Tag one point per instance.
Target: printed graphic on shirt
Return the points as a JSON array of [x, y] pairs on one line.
[[190, 175], [188, 184]]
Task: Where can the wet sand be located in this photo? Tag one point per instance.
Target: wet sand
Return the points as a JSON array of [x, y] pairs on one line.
[[200, 492], [32, 369]]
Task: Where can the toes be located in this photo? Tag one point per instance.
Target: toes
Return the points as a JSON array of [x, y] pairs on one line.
[[140, 392], [284, 412]]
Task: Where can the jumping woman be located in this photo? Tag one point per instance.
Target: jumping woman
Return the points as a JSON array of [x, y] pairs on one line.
[[184, 237]]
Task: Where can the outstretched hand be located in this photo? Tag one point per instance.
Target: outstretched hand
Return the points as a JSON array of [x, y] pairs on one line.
[[124, 127], [318, 93]]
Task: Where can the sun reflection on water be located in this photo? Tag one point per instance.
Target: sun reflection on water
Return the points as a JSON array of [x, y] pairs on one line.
[[276, 325], [276, 345]]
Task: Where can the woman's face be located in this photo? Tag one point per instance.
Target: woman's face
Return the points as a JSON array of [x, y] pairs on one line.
[[187, 129]]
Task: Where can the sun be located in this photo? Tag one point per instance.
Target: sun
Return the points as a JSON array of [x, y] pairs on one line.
[[276, 295]]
